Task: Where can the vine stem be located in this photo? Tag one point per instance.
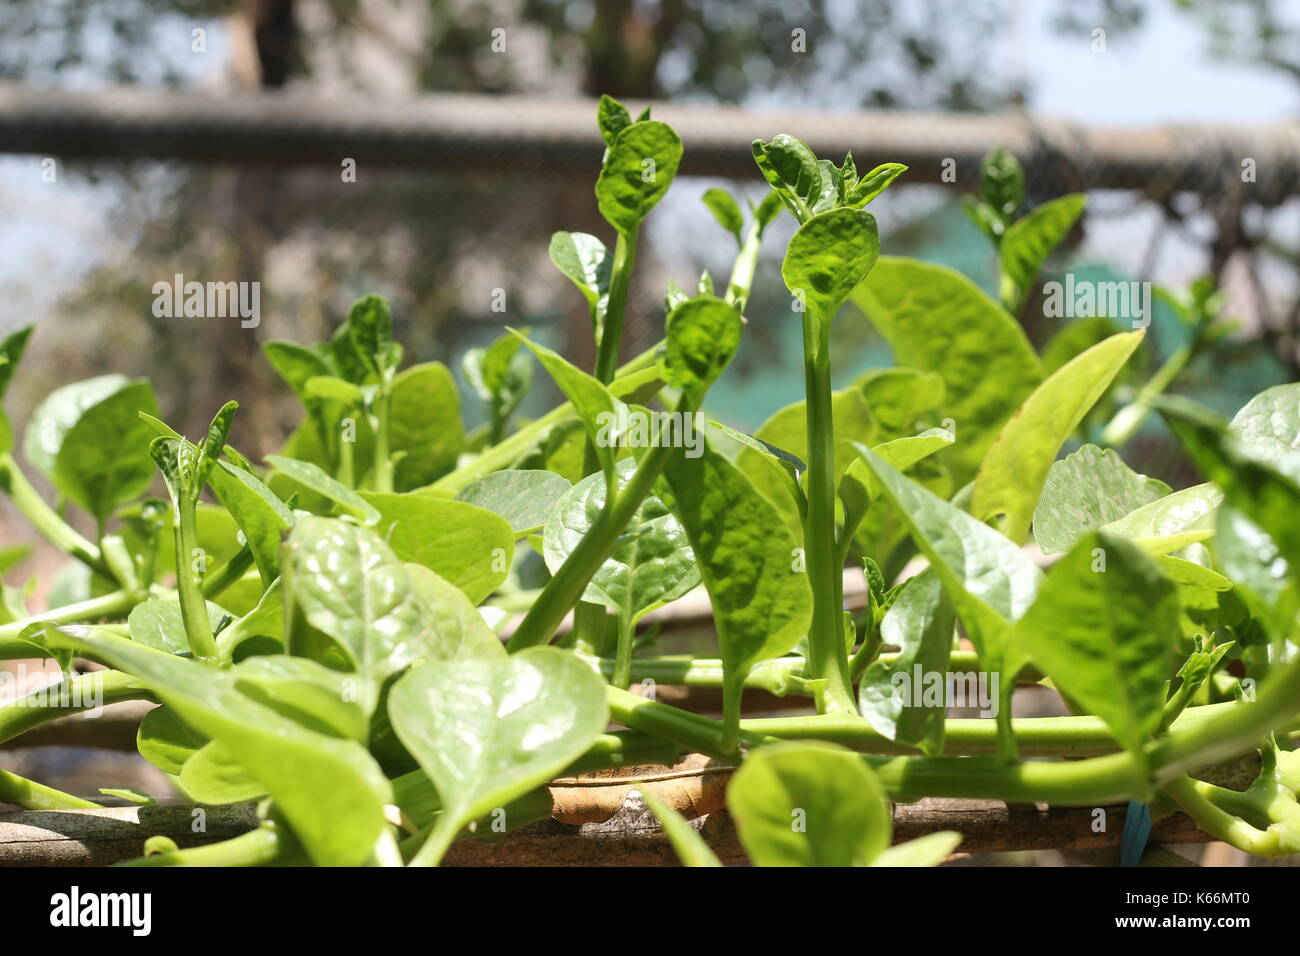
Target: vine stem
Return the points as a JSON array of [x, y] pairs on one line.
[[189, 580], [383, 479], [1234, 730], [255, 848], [565, 588], [827, 655], [114, 604], [620, 282], [89, 691], [44, 518]]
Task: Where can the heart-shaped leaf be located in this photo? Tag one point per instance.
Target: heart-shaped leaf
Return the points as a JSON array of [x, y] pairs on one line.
[[798, 804], [488, 730], [1085, 491]]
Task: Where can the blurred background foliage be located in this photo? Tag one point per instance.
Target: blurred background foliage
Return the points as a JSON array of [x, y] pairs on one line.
[[84, 254]]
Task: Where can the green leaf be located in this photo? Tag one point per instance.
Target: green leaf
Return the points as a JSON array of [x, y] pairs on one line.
[[637, 171], [1172, 522], [524, 497], [318, 697], [1012, 474], [826, 259], [1028, 241], [103, 457], [653, 563], [585, 261], [469, 546], [259, 512], [1249, 556], [295, 364], [157, 623], [990, 581], [858, 489], [132, 796], [166, 741], [897, 397], [767, 210], [313, 477], [595, 406], [1085, 491], [792, 170], [343, 582], [458, 628], [612, 117], [1002, 182], [365, 340], [263, 619], [1268, 426], [937, 320], [487, 731], [1102, 627], [12, 347], [686, 840], [762, 606], [873, 184], [330, 790], [726, 211], [59, 412], [1266, 492], [702, 335], [424, 425], [798, 804], [215, 776], [929, 850], [334, 389], [920, 623]]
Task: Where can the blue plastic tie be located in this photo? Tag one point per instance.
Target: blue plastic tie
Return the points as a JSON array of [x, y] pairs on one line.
[[1137, 830]]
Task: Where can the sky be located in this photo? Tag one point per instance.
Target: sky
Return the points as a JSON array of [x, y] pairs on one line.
[[1160, 74]]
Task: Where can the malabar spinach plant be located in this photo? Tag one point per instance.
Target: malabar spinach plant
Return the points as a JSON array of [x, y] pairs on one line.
[[342, 632]]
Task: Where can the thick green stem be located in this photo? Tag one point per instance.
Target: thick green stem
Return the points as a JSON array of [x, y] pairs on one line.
[[255, 848], [827, 655], [189, 580], [565, 589], [347, 465], [1234, 730], [1219, 823], [440, 839], [383, 472], [733, 695], [620, 281], [115, 604], [30, 795], [623, 658], [76, 695], [44, 519], [502, 455]]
